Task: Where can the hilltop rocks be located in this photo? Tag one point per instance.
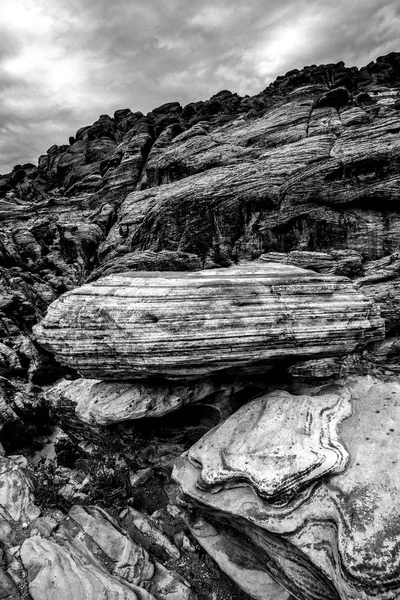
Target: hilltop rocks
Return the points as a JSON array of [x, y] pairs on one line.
[[180, 325], [312, 481], [296, 178], [337, 97], [296, 495]]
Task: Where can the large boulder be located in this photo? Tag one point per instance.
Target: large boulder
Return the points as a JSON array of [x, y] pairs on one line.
[[312, 481], [184, 325]]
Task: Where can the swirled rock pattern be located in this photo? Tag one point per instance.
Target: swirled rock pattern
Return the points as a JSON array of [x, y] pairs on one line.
[[336, 539], [246, 448], [304, 174], [192, 324]]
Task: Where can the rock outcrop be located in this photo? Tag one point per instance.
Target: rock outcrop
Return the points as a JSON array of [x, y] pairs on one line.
[[312, 481], [296, 494], [194, 324]]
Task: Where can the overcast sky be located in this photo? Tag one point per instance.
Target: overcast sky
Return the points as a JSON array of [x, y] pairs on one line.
[[65, 62]]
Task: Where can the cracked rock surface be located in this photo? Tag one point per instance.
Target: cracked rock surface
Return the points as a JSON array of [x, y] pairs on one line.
[[209, 290]]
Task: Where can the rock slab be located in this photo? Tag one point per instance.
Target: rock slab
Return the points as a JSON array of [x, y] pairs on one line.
[[188, 325], [337, 534]]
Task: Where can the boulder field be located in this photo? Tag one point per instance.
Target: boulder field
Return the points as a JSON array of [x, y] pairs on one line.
[[199, 349]]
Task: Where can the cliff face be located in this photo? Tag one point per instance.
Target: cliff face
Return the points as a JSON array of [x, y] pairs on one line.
[[271, 227]]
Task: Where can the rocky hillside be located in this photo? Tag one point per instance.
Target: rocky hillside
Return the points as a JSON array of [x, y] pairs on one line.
[[217, 374]]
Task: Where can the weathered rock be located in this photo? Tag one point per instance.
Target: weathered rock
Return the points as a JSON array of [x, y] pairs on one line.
[[88, 555], [61, 571], [338, 535], [103, 403], [148, 261], [192, 324], [337, 262], [245, 449], [238, 561], [131, 562], [306, 173], [319, 185], [8, 590], [146, 531], [17, 508]]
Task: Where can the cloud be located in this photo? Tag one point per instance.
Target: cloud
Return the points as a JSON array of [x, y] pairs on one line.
[[63, 63]]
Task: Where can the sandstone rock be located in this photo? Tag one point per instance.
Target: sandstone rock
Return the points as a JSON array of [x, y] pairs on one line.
[[16, 493], [337, 262], [330, 539], [88, 555], [131, 562], [9, 361], [238, 561], [174, 325], [145, 529], [336, 98], [8, 590], [306, 173], [316, 192], [354, 116], [148, 260], [245, 450], [60, 571], [103, 403]]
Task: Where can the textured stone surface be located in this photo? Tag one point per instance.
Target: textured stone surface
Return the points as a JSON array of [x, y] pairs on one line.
[[200, 186], [305, 173], [88, 555], [276, 444], [239, 561], [144, 527], [103, 403], [16, 492], [337, 539], [180, 325], [61, 571], [293, 178]]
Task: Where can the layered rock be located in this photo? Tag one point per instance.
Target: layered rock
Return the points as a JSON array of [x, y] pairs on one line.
[[87, 555], [237, 560], [304, 174], [298, 167], [192, 324], [103, 403], [16, 494], [325, 527], [296, 177]]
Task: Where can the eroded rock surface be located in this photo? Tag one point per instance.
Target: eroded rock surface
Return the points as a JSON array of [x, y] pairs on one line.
[[185, 325], [104, 403], [304, 174], [337, 535]]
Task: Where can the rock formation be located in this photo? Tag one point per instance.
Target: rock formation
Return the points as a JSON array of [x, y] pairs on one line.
[[105, 402], [312, 481], [230, 264], [194, 324]]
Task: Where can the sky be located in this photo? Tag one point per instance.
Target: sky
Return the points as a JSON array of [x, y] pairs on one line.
[[65, 62]]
